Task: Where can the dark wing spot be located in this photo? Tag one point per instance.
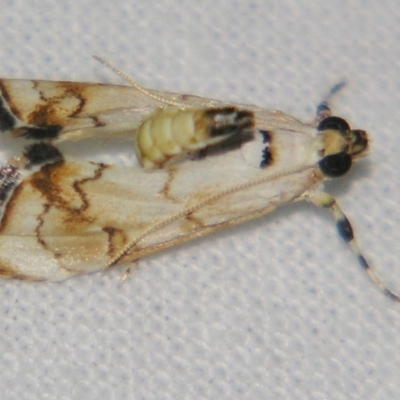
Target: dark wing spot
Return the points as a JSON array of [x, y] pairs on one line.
[[231, 143], [42, 153], [42, 132], [266, 136], [266, 157], [7, 120]]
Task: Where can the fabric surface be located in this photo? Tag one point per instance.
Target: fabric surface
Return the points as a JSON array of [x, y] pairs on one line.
[[275, 309]]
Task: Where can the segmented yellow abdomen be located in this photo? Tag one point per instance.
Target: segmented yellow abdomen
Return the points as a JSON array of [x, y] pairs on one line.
[[170, 132]]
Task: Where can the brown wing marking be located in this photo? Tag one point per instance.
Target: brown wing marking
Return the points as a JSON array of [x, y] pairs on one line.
[[116, 240]]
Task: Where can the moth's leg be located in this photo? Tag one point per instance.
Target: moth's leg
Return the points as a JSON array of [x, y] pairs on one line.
[[129, 269], [323, 108], [345, 230]]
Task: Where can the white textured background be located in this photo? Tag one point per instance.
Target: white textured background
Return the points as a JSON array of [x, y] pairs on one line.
[[275, 309]]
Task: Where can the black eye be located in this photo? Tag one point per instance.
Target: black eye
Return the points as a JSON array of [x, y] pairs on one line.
[[335, 165], [335, 123]]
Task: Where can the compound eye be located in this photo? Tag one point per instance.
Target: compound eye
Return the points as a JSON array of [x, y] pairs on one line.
[[335, 165], [335, 123]]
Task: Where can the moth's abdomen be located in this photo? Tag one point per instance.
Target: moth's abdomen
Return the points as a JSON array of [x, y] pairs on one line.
[[170, 132]]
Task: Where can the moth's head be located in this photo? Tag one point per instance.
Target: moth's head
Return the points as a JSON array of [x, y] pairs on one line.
[[342, 145]]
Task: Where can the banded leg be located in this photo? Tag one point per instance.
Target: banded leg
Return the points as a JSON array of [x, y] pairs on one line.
[[345, 230], [323, 109]]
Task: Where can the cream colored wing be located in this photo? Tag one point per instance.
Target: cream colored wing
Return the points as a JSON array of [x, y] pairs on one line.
[[75, 217], [71, 111]]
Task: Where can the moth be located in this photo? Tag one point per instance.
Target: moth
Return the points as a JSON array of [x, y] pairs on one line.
[[182, 167]]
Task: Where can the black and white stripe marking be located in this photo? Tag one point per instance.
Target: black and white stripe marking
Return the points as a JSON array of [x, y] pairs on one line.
[[266, 155]]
